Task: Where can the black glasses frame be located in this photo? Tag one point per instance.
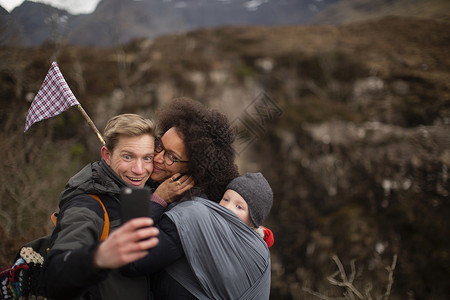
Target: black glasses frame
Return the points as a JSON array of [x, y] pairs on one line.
[[169, 158]]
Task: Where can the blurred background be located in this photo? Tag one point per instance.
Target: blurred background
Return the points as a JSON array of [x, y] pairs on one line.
[[344, 105]]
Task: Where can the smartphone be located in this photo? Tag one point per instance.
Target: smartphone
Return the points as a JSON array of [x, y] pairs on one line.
[[135, 203]]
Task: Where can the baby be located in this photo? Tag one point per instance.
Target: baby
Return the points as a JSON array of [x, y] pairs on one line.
[[250, 197]]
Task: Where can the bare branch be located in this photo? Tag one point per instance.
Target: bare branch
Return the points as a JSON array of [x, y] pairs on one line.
[[367, 290], [390, 278], [345, 282], [353, 268], [318, 295], [350, 290], [340, 267]]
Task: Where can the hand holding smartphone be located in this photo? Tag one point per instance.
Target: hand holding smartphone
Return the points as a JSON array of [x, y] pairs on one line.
[[135, 203]]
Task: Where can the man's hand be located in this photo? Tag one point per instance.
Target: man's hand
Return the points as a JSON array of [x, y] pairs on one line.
[[128, 243]]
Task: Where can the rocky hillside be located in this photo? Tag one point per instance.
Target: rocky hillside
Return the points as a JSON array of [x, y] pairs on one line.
[[349, 123]]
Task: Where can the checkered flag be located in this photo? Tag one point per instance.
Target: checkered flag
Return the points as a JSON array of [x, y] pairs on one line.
[[53, 98]]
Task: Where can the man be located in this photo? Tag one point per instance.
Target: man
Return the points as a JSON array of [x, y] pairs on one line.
[[80, 265]]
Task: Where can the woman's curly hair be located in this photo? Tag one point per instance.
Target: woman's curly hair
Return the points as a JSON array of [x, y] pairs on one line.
[[208, 138]]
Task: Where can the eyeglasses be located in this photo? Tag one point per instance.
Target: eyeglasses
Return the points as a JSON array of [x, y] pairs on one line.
[[169, 158]]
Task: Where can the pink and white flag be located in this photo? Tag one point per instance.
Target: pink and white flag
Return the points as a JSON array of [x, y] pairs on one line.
[[53, 98]]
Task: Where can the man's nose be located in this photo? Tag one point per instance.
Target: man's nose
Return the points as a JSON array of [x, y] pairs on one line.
[[138, 166]]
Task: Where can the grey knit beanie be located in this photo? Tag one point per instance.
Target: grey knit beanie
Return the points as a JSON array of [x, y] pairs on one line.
[[256, 191]]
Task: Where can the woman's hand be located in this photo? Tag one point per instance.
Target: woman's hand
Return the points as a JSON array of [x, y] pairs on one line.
[[171, 188]]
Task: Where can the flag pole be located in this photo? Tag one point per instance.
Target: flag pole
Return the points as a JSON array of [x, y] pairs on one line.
[[88, 119]]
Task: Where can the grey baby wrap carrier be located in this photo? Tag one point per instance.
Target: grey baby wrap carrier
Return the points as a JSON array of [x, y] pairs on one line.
[[225, 259]]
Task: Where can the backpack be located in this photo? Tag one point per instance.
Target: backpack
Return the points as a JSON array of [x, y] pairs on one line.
[[24, 279]]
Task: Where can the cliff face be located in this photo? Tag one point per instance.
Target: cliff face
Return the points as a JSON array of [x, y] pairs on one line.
[[350, 124]]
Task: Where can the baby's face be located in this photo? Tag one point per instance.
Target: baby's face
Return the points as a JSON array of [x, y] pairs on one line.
[[234, 202]]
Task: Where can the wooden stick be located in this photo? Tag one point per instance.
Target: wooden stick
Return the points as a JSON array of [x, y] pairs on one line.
[[85, 115]]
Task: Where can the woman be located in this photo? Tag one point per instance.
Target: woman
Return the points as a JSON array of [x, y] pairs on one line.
[[196, 141], [202, 246]]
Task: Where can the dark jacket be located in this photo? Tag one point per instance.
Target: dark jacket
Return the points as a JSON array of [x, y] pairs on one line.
[[69, 269], [168, 251]]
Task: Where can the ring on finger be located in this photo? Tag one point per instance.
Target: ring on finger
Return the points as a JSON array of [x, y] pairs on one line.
[[178, 182]]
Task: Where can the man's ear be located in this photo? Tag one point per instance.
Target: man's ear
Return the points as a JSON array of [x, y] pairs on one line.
[[106, 155]]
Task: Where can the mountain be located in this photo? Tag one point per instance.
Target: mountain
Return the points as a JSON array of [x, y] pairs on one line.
[[119, 21], [34, 23]]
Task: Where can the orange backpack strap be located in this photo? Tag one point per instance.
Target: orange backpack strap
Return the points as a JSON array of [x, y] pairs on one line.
[[106, 226], [54, 217], [105, 232]]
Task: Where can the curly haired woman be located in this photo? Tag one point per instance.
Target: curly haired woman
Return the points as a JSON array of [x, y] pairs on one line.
[[205, 251], [198, 142]]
